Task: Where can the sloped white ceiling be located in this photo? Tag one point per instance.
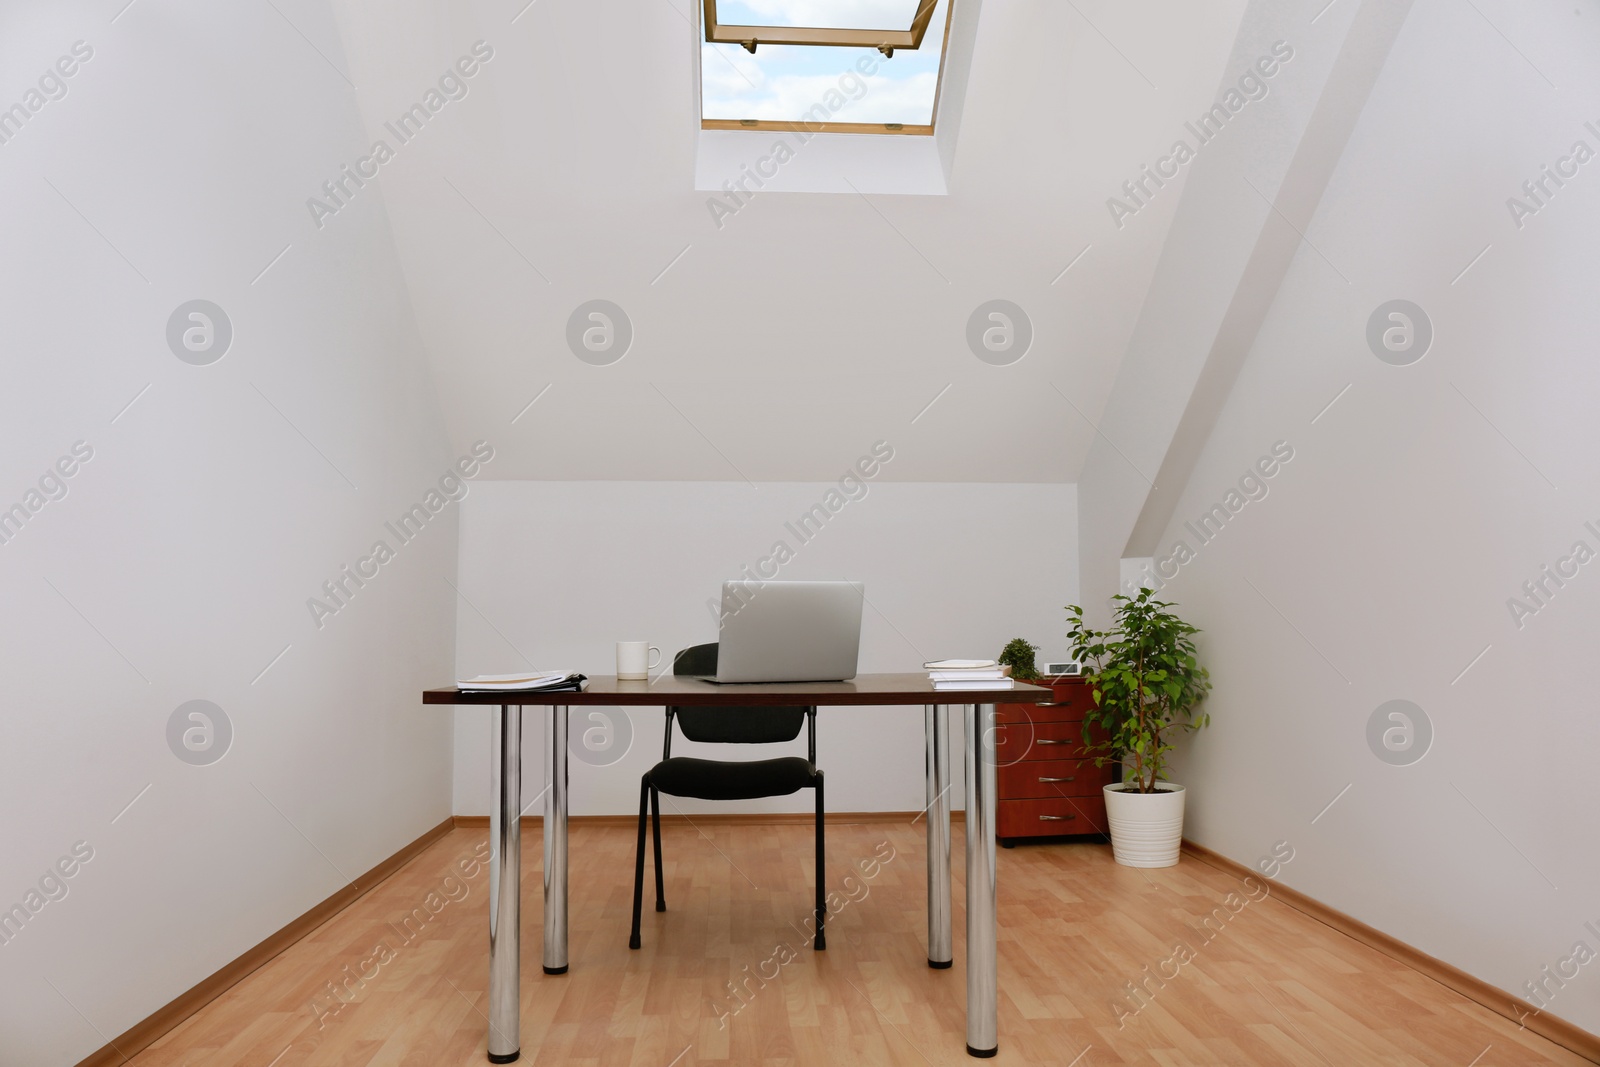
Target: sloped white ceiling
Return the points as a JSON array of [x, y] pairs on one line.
[[781, 343]]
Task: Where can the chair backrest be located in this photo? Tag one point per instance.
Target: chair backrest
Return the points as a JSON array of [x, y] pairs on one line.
[[729, 725]]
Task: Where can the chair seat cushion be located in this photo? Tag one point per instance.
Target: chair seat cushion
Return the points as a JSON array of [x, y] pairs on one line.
[[684, 776]]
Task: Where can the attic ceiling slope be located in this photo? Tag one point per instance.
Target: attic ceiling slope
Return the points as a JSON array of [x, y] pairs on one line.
[[1225, 257], [551, 165]]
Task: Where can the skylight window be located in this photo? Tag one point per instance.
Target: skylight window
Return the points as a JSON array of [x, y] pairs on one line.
[[854, 66]]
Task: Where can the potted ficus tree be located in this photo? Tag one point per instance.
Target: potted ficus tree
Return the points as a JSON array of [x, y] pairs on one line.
[[1147, 686]]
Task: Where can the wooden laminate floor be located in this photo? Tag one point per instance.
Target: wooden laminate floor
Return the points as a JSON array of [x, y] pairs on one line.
[[1271, 986]]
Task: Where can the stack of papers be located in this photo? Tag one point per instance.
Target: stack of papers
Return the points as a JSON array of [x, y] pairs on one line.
[[522, 682], [968, 674]]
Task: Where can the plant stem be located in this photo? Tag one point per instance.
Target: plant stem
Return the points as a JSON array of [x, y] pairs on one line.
[[1139, 695]]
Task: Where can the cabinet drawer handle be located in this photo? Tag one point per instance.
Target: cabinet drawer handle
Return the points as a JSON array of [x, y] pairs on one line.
[[1052, 704], [1051, 741], [1071, 778], [1057, 818]]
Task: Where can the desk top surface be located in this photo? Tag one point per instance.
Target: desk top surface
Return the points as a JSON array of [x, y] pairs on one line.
[[877, 689]]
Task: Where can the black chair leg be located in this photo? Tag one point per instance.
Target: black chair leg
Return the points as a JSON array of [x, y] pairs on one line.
[[638, 864], [821, 941], [655, 819]]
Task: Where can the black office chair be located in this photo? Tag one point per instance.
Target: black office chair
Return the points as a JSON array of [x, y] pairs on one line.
[[685, 776]]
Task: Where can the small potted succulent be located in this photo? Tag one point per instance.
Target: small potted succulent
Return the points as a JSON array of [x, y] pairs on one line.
[[1018, 655], [1147, 686]]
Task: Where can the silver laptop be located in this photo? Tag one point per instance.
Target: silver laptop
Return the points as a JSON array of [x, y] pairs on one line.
[[789, 632]]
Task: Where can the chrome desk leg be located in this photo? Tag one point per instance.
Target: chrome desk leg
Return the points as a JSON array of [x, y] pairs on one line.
[[936, 730], [505, 885], [555, 845], [983, 999]]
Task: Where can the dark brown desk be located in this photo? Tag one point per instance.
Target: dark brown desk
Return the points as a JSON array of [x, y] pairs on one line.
[[505, 936]]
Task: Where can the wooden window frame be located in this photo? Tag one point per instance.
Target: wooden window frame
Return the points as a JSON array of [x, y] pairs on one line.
[[883, 40]]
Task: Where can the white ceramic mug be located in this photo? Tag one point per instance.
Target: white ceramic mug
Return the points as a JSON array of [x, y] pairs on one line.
[[633, 660]]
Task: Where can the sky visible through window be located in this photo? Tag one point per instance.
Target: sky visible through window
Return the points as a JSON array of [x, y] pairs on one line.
[[781, 83]]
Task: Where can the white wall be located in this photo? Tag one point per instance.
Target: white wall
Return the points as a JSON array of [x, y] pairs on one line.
[[178, 565], [557, 572], [1380, 565]]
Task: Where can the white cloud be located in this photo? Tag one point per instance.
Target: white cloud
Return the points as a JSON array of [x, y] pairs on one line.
[[907, 100]]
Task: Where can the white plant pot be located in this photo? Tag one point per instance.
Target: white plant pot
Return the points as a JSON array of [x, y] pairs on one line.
[[1146, 828]]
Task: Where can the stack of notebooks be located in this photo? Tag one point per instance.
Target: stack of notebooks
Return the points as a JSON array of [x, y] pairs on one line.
[[532, 681], [968, 674]]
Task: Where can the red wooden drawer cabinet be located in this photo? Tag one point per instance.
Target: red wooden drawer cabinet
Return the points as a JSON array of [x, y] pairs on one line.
[[1047, 785]]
